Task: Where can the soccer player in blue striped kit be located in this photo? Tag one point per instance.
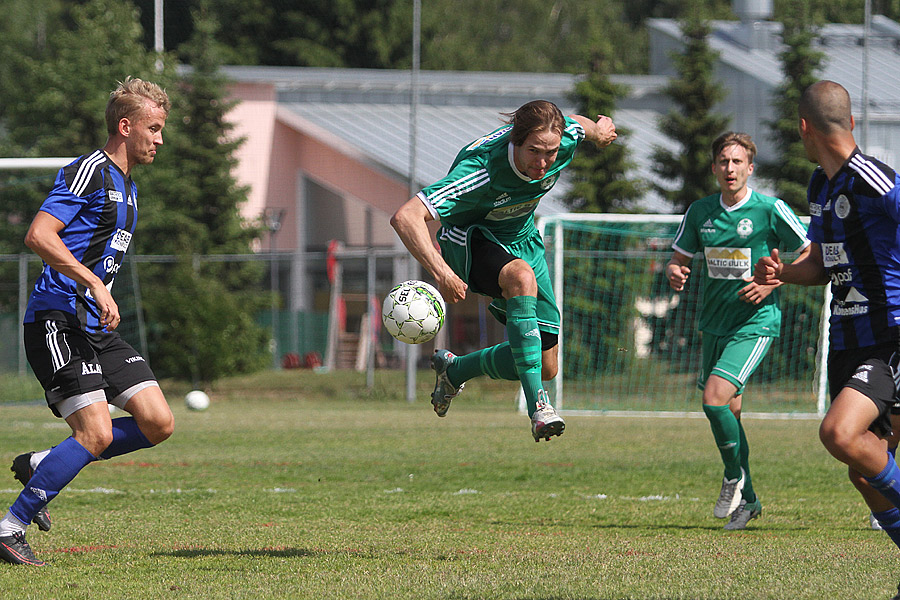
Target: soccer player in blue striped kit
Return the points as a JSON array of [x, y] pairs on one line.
[[81, 233], [854, 205]]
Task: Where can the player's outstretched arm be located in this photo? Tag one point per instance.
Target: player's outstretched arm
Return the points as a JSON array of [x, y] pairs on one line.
[[808, 269], [43, 238], [755, 292], [601, 132], [410, 224]]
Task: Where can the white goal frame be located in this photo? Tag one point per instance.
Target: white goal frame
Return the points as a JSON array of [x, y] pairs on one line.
[[556, 222]]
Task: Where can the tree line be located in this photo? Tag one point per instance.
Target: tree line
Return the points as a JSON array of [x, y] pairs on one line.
[[62, 57]]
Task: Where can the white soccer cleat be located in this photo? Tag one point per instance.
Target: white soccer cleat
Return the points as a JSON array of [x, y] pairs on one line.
[[874, 524], [729, 496], [545, 423]]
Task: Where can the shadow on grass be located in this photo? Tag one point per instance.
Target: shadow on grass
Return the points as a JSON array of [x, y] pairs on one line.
[[711, 527], [268, 552]]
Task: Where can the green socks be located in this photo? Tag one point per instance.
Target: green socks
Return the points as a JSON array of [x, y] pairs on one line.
[[726, 430], [525, 343], [748, 493], [496, 362], [518, 359]]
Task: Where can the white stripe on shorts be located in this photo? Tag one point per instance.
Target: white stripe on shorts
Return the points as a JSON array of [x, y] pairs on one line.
[[54, 338], [759, 351]]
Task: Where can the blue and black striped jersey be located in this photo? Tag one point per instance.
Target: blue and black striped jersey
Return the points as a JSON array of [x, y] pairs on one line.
[[855, 217], [97, 204]]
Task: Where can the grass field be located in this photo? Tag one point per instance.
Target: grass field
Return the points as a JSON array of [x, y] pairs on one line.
[[298, 485]]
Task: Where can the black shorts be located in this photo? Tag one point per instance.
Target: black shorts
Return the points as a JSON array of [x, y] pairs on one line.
[[70, 362], [872, 371], [488, 259]]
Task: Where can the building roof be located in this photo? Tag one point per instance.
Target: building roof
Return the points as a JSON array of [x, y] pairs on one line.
[[753, 47], [370, 109]]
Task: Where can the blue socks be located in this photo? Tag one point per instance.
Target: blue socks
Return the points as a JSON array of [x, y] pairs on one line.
[[127, 437], [66, 460], [54, 473], [890, 523], [888, 481]]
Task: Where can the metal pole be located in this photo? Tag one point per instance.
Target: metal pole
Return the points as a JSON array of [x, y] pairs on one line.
[[865, 76], [822, 358], [274, 309], [158, 41], [139, 309], [412, 351], [273, 218], [372, 315], [23, 302], [414, 96]]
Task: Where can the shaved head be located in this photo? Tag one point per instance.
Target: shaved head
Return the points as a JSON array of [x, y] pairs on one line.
[[826, 106]]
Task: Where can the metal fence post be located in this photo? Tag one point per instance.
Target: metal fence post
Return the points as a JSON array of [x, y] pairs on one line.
[[23, 302]]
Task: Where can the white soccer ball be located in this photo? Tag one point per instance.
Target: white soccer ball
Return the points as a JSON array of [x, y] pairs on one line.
[[196, 400], [413, 312]]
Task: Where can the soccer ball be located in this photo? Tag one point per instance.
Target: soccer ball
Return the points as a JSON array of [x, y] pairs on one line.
[[413, 312], [196, 400]]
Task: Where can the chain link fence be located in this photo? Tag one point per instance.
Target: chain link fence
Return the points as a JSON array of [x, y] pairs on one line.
[[323, 308]]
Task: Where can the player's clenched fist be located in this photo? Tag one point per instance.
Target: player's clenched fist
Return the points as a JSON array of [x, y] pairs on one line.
[[768, 269], [677, 275]]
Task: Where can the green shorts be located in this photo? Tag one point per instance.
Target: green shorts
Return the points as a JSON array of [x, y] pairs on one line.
[[732, 357], [456, 244]]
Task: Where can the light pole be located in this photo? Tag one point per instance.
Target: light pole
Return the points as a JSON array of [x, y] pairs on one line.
[[273, 217]]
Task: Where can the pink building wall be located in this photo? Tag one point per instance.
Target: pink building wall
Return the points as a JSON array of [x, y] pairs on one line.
[[279, 146]]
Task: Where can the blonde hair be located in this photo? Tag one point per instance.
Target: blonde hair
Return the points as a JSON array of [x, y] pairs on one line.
[[732, 138], [127, 101]]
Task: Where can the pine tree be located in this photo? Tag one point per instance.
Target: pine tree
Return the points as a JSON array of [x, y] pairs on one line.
[[693, 124], [193, 208], [791, 171], [599, 175]]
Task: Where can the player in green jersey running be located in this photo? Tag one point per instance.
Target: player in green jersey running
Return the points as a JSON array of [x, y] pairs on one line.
[[489, 245], [738, 320]]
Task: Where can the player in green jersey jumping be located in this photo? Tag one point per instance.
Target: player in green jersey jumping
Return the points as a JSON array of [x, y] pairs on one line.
[[738, 320], [489, 245]]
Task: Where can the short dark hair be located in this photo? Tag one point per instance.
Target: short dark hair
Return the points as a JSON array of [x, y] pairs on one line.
[[537, 115], [826, 106], [732, 138]]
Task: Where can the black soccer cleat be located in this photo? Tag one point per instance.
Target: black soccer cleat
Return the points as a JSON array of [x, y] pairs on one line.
[[21, 468], [14, 549]]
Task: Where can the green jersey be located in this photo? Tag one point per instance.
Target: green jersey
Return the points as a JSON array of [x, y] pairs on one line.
[[485, 188], [733, 239]]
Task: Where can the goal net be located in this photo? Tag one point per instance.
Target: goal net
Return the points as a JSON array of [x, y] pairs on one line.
[[630, 343]]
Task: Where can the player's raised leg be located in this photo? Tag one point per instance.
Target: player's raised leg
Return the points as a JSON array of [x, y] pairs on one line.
[[444, 390]]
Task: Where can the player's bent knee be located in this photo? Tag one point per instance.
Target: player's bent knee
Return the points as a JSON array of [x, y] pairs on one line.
[[160, 428], [838, 440], [517, 279], [95, 442]]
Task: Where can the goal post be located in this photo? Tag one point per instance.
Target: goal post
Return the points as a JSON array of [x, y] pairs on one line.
[[628, 343]]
